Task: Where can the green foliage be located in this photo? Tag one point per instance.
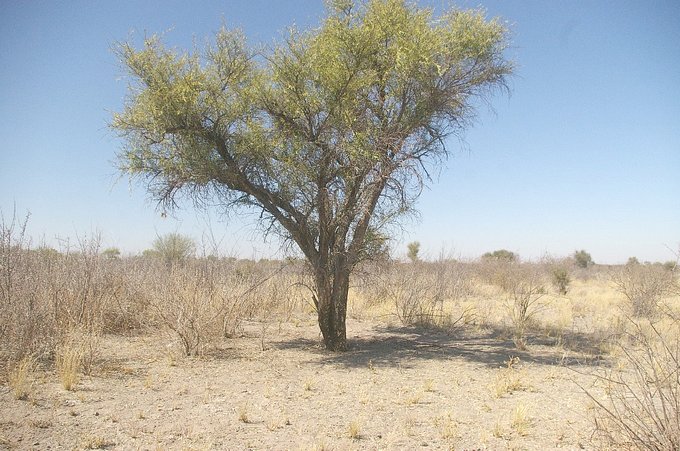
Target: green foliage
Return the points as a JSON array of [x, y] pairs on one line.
[[583, 259], [173, 247], [500, 255], [413, 250]]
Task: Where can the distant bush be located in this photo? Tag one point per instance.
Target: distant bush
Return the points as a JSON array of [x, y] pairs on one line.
[[111, 253], [632, 261], [174, 248], [500, 255], [560, 279], [583, 259]]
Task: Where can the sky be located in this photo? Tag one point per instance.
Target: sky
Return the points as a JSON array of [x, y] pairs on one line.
[[583, 154]]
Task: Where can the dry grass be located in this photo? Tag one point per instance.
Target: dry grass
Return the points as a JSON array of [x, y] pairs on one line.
[[520, 420], [96, 442], [509, 379], [244, 413], [69, 363], [354, 430], [20, 377]]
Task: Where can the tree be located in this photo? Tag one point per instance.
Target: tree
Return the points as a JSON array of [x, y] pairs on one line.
[[331, 135], [583, 259], [500, 255], [173, 247], [413, 250]]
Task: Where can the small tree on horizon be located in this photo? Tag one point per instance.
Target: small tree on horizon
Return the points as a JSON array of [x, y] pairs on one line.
[[111, 253], [502, 255], [413, 250], [583, 259], [331, 135]]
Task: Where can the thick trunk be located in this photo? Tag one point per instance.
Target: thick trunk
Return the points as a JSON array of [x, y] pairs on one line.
[[332, 290]]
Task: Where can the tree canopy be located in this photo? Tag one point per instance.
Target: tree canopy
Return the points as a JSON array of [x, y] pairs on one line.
[[331, 134]]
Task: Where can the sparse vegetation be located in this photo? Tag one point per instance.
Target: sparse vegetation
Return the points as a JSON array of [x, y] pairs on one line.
[[447, 313]]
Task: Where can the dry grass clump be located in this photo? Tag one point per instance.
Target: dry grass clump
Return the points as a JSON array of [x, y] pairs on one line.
[[20, 377], [520, 420], [354, 430], [448, 427], [96, 442], [69, 363], [509, 379], [244, 413]]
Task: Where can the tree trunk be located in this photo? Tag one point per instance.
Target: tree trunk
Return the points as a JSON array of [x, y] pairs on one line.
[[332, 289]]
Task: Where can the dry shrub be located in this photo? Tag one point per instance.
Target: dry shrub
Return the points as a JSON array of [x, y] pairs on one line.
[[419, 291], [644, 286], [641, 409], [26, 322], [203, 301], [188, 302], [524, 298], [44, 293]]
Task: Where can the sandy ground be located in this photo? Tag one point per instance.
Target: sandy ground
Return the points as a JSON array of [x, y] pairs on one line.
[[397, 388]]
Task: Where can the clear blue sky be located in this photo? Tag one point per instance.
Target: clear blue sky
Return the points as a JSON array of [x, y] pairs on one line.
[[584, 154]]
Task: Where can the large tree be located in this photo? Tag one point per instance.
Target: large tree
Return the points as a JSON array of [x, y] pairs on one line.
[[331, 134]]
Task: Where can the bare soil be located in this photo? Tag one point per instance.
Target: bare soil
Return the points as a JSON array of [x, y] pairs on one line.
[[396, 388]]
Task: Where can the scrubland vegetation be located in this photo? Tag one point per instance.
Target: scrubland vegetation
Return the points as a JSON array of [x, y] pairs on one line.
[[611, 333]]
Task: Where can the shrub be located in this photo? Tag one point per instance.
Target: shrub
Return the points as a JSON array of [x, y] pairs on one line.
[[174, 248], [583, 259], [524, 299], [413, 250], [560, 279], [642, 405], [643, 286]]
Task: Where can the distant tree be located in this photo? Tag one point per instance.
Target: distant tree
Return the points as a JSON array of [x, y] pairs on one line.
[[150, 253], [413, 250], [632, 261], [583, 259], [174, 248], [331, 136], [111, 253], [500, 255]]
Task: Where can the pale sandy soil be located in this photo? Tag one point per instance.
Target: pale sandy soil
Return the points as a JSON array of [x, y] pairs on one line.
[[402, 388]]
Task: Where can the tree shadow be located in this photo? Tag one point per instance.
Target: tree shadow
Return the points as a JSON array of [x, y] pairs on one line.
[[404, 346]]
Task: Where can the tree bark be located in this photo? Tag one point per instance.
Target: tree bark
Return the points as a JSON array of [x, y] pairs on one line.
[[332, 289]]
